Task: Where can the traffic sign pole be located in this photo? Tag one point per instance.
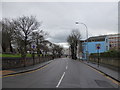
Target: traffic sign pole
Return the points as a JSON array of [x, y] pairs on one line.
[[33, 54], [98, 58], [98, 48]]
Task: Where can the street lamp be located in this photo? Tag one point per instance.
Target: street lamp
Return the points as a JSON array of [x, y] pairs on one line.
[[86, 36]]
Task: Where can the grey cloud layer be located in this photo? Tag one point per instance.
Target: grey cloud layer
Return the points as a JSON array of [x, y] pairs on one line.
[[59, 18]]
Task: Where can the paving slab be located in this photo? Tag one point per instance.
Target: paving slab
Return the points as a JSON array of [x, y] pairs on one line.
[[113, 73]]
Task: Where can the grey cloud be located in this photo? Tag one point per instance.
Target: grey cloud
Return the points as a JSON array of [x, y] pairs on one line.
[[59, 18]]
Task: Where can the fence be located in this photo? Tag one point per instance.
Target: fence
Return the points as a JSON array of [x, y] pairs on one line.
[[16, 62]]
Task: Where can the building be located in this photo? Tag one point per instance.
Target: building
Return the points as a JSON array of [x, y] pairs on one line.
[[105, 42], [90, 45], [66, 51], [114, 41], [79, 49]]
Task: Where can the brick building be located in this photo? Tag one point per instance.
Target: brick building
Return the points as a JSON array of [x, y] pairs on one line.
[[114, 41]]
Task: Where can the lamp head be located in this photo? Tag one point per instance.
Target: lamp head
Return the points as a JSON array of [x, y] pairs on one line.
[[76, 22]]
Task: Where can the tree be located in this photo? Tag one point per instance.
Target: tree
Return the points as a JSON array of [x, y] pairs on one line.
[[53, 50], [73, 41], [59, 50], [7, 34], [23, 27], [56, 50], [38, 38], [0, 37]]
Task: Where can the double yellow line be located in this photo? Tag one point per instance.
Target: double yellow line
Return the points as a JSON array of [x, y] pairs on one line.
[[114, 81], [24, 72]]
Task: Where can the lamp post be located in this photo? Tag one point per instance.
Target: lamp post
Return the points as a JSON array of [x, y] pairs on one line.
[[86, 39]]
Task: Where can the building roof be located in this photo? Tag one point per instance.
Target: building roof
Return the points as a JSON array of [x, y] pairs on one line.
[[118, 35], [81, 40], [97, 38]]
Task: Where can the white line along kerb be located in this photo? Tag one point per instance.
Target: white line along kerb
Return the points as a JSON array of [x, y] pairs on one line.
[[60, 80]]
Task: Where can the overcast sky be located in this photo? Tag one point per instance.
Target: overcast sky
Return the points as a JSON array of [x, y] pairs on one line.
[[59, 17]]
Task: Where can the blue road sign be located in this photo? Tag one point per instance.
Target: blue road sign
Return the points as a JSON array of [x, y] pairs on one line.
[[33, 46], [98, 46]]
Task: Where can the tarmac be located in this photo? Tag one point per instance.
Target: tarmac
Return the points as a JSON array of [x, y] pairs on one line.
[[107, 71], [60, 73]]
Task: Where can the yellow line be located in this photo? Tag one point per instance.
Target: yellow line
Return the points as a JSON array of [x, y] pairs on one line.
[[97, 71], [114, 81], [25, 72]]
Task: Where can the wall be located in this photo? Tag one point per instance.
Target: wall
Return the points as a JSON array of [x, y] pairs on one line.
[[12, 62], [111, 62]]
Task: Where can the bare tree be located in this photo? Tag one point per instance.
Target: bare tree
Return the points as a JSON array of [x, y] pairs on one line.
[[23, 27], [56, 50], [73, 41], [59, 50], [7, 34], [38, 37]]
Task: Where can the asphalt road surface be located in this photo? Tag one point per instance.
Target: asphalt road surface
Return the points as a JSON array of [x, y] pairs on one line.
[[60, 73]]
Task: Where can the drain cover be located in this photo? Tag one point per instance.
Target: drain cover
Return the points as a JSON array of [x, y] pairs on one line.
[[102, 83]]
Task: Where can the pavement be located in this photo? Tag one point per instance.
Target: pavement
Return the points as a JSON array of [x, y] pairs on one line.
[[60, 73], [113, 73], [23, 69]]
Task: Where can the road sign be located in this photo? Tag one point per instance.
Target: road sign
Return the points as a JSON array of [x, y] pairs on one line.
[[33, 46], [98, 46]]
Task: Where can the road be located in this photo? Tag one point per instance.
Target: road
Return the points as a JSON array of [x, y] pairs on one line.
[[60, 73]]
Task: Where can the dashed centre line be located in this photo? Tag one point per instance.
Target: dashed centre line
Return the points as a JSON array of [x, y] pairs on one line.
[[62, 77], [66, 67], [60, 80]]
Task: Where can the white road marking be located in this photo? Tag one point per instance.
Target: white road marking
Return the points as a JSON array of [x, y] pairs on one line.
[[60, 80], [66, 67]]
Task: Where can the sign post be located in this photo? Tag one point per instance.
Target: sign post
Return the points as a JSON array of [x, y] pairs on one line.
[[98, 48], [33, 54]]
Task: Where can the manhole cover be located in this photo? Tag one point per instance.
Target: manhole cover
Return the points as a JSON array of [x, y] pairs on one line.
[[102, 83]]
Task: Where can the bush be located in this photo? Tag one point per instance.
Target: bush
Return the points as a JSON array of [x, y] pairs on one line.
[[114, 54]]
